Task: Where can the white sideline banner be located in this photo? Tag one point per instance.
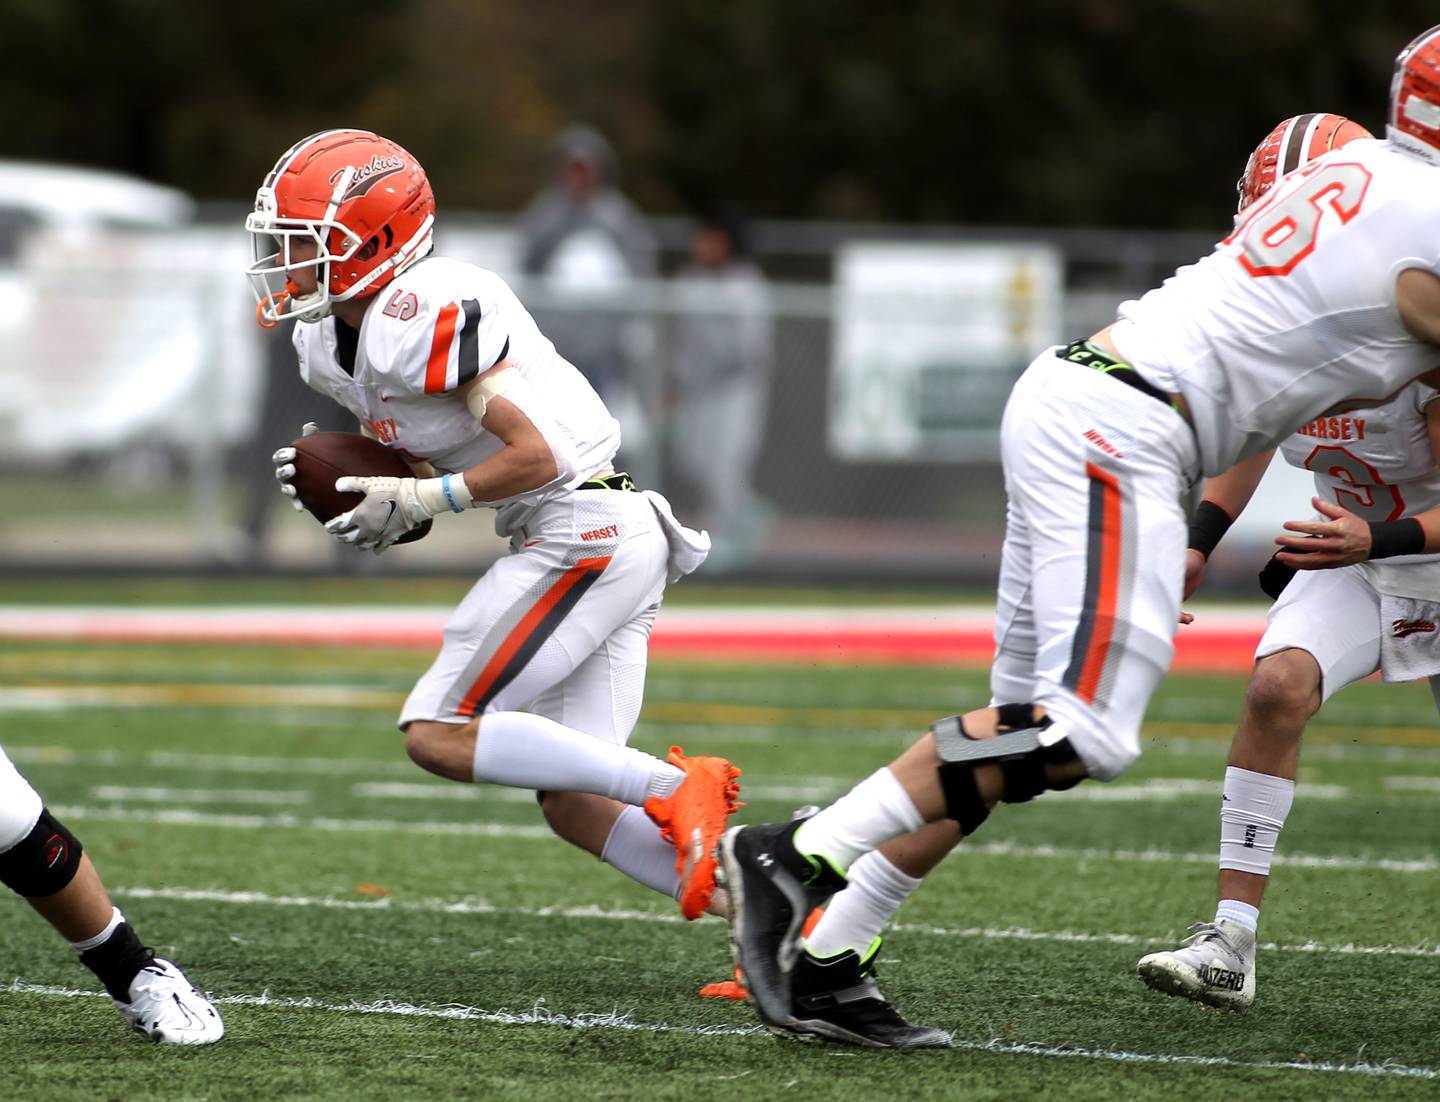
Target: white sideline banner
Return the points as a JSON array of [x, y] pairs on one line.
[[129, 336], [929, 338]]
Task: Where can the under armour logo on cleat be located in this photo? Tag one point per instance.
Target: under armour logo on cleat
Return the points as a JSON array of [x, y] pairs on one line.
[[764, 860]]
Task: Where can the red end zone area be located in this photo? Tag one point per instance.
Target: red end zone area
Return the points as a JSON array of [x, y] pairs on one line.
[[1222, 640]]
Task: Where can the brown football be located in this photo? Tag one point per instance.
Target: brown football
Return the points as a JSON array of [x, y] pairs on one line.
[[323, 457]]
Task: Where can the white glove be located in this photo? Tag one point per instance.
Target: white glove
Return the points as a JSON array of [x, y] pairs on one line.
[[392, 507], [284, 460]]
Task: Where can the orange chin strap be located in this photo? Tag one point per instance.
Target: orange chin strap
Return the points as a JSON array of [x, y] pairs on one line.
[[291, 288]]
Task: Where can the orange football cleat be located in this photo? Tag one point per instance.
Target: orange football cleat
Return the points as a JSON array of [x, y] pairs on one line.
[[726, 989], [735, 989], [692, 818]]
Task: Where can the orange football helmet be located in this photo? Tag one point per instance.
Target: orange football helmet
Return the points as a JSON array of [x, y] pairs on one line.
[[1414, 122], [1294, 143], [361, 201]]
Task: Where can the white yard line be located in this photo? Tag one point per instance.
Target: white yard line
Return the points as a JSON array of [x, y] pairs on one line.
[[183, 817], [279, 797], [822, 789], [1153, 856], [424, 790], [220, 763], [1328, 751], [540, 1014], [51, 698], [1413, 784], [814, 789], [1162, 789], [590, 911], [818, 789]]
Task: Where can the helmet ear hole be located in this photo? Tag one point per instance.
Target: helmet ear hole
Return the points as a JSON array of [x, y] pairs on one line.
[[369, 249]]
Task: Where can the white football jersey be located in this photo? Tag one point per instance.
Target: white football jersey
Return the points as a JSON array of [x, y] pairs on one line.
[[1377, 461], [1294, 313], [429, 332]]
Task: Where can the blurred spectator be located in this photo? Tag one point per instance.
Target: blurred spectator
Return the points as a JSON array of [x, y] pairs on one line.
[[587, 245], [720, 373]]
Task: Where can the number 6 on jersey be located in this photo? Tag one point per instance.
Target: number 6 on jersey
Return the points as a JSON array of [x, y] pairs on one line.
[[1282, 232]]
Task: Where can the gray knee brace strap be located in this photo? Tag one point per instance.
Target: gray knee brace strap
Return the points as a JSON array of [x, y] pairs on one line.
[[1019, 753], [43, 862]]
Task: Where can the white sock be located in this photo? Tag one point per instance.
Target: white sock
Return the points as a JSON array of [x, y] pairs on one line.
[[664, 782], [1251, 815], [636, 848], [1242, 914], [865, 818], [528, 751], [856, 915], [103, 936]]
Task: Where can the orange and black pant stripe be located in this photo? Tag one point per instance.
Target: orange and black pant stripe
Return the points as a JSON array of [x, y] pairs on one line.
[[1100, 634], [530, 632]]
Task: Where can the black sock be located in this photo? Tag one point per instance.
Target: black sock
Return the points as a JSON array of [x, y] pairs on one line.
[[117, 960]]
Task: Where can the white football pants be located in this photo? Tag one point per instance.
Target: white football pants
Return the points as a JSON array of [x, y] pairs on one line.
[[1093, 561], [559, 627]]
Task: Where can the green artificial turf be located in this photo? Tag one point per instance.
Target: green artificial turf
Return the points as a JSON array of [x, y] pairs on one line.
[[373, 932]]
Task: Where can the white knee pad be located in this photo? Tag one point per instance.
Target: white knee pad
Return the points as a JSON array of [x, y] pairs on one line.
[[20, 805]]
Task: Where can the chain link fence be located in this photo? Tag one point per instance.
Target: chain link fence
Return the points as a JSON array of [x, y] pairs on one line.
[[144, 403]]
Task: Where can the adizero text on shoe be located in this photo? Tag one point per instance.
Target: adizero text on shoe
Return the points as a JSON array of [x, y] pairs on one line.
[[165, 1008], [772, 889], [1215, 966], [692, 818], [838, 999]]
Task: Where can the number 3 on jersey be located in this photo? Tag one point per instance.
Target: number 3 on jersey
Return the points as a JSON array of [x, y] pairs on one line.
[[1365, 494], [1282, 231]]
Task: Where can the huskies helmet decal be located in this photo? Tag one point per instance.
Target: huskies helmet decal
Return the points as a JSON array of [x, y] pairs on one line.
[[361, 202]]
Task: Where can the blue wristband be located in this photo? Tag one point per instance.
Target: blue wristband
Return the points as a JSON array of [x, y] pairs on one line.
[[445, 487]]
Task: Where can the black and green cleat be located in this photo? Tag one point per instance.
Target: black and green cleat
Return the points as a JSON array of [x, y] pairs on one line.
[[838, 999]]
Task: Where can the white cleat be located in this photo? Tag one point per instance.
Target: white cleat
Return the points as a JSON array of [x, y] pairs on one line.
[[166, 1009], [1215, 966]]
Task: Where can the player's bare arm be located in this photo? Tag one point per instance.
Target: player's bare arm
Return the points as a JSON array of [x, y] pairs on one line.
[[1221, 504], [1417, 297], [526, 462]]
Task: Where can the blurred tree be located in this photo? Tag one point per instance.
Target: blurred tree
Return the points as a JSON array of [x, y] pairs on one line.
[[1030, 111], [1116, 112]]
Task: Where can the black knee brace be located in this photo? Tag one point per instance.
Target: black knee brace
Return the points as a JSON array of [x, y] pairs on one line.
[[1018, 752], [43, 862]]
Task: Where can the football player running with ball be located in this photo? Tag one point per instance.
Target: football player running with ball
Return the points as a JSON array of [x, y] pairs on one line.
[[440, 362], [1338, 620], [44, 863], [1326, 292]]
